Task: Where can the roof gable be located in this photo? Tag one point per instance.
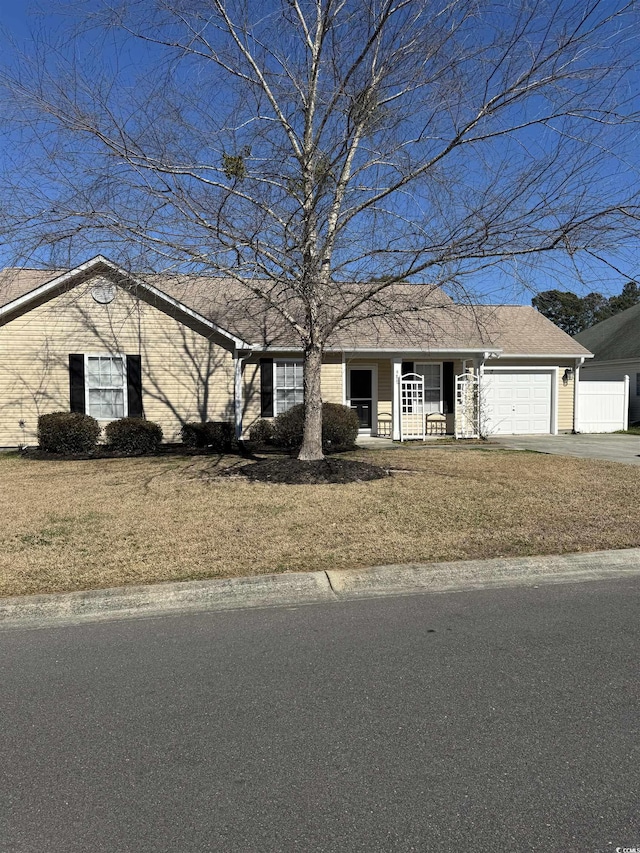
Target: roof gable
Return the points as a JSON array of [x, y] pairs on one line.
[[25, 291]]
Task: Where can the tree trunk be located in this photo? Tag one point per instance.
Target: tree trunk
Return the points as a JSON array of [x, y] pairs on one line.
[[312, 437]]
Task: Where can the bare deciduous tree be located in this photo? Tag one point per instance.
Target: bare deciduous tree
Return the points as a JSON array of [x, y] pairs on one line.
[[321, 151]]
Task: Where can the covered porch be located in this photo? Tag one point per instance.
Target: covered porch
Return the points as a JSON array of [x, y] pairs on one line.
[[412, 396]]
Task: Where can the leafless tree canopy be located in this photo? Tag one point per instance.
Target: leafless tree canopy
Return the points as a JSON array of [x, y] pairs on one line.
[[303, 146]]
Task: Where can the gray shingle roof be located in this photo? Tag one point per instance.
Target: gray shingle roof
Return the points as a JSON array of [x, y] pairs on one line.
[[18, 282], [521, 330], [616, 338], [425, 317], [437, 324]]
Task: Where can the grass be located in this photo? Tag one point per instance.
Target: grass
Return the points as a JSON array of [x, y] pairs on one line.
[[108, 522], [632, 430]]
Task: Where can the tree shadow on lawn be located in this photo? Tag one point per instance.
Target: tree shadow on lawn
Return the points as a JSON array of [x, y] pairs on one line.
[[278, 467]]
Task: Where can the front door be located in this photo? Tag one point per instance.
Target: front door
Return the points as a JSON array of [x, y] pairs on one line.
[[361, 395]]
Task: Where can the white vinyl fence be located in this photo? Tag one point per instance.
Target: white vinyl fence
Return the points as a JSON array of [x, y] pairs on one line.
[[602, 406]]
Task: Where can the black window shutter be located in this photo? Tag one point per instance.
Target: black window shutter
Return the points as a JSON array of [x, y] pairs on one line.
[[447, 385], [266, 387], [408, 367], [134, 386], [76, 383]]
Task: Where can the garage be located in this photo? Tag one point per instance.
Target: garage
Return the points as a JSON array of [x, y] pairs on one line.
[[517, 402]]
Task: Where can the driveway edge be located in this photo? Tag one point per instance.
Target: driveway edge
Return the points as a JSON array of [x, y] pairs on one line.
[[298, 588]]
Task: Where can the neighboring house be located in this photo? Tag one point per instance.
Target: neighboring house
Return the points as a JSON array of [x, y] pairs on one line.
[[615, 344], [98, 339]]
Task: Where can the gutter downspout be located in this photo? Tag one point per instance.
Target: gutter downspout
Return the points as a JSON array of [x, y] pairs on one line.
[[238, 395]]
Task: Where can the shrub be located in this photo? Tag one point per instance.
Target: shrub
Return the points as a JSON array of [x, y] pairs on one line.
[[194, 434], [67, 432], [339, 427], [261, 432], [219, 436], [133, 435], [288, 428]]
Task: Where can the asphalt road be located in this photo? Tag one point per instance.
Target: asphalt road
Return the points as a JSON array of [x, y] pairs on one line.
[[502, 720]]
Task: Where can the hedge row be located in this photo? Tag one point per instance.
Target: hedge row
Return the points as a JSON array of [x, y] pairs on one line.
[[72, 432]]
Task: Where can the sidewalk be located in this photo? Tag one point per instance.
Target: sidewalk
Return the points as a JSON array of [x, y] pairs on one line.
[[313, 587]]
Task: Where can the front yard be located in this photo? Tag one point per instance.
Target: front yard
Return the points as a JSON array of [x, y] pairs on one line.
[[100, 523]]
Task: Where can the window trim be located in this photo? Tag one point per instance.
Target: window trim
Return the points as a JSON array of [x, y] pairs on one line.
[[276, 409], [439, 364], [125, 383]]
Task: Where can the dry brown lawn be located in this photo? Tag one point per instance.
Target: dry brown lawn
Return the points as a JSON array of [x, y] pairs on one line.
[[100, 523]]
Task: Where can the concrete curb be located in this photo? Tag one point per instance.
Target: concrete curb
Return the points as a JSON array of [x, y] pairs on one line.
[[128, 602], [481, 574], [313, 587]]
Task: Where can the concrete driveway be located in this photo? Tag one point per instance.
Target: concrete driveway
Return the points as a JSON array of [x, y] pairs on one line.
[[614, 448]]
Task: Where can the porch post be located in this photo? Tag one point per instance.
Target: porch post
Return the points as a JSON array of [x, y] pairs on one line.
[[238, 395], [396, 374]]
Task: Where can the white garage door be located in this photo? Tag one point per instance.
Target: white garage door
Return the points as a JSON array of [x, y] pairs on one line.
[[516, 402]]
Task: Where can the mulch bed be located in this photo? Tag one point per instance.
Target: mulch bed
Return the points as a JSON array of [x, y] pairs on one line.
[[296, 472], [102, 451]]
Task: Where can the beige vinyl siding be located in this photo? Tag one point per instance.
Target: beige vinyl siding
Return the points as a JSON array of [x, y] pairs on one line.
[[187, 373], [331, 379], [251, 393], [565, 401], [511, 362]]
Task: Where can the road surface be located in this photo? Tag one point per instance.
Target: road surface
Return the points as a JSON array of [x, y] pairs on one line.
[[496, 720]]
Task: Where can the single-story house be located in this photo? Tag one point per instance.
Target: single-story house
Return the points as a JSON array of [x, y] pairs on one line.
[[615, 344], [101, 340]]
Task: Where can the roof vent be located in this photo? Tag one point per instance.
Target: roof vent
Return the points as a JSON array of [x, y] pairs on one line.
[[103, 291]]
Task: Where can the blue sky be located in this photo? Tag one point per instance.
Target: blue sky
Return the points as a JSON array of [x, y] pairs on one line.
[[17, 19]]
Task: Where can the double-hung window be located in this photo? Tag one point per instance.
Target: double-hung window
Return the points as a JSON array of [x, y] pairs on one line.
[[106, 386], [432, 375], [287, 384]]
